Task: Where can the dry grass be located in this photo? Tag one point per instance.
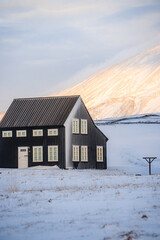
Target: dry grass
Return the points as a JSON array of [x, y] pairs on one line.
[[12, 185], [12, 188]]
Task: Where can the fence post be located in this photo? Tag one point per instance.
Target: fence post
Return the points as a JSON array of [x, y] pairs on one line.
[[149, 160]]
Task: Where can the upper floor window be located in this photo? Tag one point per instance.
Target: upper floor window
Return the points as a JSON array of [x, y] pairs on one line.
[[21, 133], [75, 125], [84, 153], [52, 153], [37, 132], [38, 154], [75, 153], [53, 132], [84, 126], [6, 134], [99, 154]]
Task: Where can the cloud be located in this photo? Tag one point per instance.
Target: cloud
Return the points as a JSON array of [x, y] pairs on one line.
[[12, 40], [51, 44], [16, 9]]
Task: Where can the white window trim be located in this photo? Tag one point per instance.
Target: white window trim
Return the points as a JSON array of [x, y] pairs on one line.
[[84, 130], [21, 133], [85, 148], [38, 131], [54, 132], [6, 132], [74, 149], [53, 148], [99, 148], [74, 121], [37, 147]]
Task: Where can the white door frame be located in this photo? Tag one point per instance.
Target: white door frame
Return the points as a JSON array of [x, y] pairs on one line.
[[23, 157]]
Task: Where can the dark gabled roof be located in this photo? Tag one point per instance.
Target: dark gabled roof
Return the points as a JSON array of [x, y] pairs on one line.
[[43, 111]]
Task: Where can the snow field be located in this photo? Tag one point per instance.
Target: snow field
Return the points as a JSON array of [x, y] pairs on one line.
[[129, 143], [49, 203]]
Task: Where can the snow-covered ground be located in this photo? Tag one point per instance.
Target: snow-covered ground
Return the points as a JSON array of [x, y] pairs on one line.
[[113, 204], [130, 139], [48, 203]]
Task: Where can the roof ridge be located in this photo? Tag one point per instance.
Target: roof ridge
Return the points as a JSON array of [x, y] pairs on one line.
[[51, 97]]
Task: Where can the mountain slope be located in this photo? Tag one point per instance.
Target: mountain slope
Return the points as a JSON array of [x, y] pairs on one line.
[[1, 115], [129, 88]]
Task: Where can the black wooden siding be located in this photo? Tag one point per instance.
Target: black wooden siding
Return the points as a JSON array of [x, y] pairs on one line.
[[9, 147], [92, 139]]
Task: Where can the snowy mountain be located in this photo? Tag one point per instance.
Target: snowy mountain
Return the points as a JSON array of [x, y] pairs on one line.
[[1, 115], [129, 88]]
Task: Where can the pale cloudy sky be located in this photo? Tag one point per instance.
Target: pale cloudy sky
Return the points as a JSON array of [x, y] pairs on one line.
[[48, 45]]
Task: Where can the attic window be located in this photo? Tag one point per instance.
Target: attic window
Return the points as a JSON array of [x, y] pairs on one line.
[[75, 126], [37, 132], [83, 126], [52, 132], [6, 134], [99, 154], [21, 133]]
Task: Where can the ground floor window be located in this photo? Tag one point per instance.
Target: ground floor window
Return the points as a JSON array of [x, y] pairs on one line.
[[84, 153], [38, 154], [99, 154], [52, 153], [75, 153]]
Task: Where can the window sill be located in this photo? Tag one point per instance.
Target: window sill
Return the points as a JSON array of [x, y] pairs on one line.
[[38, 161], [52, 160]]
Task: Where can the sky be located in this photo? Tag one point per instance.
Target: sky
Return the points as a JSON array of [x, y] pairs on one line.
[[47, 46]]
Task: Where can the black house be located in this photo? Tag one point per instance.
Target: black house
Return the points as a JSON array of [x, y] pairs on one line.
[[51, 131]]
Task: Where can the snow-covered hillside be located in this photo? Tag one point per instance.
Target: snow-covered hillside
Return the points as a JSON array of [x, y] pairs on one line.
[[131, 87], [78, 204], [1, 115], [134, 119], [130, 139]]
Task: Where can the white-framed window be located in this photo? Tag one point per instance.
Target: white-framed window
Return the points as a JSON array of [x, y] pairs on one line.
[[75, 125], [75, 153], [84, 129], [6, 134], [21, 133], [37, 132], [38, 154], [53, 132], [53, 153], [99, 154], [84, 153]]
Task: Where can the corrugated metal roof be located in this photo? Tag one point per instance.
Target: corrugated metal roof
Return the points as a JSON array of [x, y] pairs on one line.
[[43, 111]]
